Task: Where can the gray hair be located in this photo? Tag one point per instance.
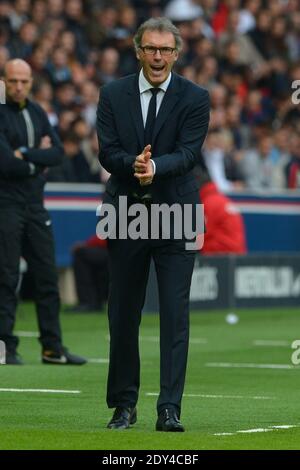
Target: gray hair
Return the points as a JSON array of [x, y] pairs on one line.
[[158, 24]]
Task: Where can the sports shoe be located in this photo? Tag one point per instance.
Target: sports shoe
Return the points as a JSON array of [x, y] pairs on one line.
[[62, 357], [13, 359]]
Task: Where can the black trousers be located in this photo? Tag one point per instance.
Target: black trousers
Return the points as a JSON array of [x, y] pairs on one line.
[[129, 269], [90, 264], [26, 231]]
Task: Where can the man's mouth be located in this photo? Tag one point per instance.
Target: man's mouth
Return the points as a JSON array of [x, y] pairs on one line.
[[157, 68]]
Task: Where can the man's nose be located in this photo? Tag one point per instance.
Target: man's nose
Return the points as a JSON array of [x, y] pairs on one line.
[[159, 54]]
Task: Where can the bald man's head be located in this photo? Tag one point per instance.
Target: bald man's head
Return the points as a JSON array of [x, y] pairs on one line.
[[18, 80]]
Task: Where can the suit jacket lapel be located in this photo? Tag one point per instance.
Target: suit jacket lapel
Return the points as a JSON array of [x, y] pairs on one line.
[[169, 101], [136, 110]]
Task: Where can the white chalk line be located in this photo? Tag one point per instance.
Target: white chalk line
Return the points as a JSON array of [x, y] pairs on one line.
[[258, 430], [98, 360], [271, 343], [231, 397], [38, 390], [232, 365], [27, 334]]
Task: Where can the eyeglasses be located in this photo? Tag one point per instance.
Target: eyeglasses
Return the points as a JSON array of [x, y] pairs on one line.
[[164, 51]]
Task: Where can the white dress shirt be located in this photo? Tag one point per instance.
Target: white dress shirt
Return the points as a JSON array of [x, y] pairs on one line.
[[145, 97]]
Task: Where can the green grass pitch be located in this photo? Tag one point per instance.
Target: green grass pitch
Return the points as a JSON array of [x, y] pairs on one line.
[[237, 394]]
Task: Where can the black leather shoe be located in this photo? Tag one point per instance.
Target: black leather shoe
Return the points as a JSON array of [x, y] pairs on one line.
[[122, 418], [168, 421]]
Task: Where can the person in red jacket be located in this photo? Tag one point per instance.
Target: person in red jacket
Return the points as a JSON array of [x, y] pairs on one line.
[[90, 265], [225, 231]]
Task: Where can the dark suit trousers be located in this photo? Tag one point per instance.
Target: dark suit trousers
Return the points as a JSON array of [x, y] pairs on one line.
[[27, 231], [129, 266]]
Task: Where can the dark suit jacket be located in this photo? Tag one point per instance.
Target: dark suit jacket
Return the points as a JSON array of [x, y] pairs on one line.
[[180, 129]]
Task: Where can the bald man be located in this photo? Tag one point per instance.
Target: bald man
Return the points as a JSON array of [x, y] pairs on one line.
[[28, 145]]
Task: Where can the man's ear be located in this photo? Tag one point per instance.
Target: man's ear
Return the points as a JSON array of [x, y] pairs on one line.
[[137, 54]]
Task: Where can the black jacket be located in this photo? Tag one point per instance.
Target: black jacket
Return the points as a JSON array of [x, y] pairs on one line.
[[24, 127]]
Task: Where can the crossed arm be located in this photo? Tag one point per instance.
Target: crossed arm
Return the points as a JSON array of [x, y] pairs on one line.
[[16, 164]]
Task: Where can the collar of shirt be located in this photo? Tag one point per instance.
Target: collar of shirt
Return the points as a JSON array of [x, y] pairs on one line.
[[145, 94], [144, 85]]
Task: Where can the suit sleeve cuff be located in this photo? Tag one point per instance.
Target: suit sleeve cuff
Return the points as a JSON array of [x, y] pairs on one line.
[[153, 166]]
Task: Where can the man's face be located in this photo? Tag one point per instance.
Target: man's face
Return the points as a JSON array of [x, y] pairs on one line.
[[157, 67], [18, 81]]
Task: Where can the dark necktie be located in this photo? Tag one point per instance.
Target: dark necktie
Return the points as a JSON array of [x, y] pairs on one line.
[[151, 116]]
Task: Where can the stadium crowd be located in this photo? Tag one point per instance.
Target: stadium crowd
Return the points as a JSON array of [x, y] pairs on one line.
[[245, 52]]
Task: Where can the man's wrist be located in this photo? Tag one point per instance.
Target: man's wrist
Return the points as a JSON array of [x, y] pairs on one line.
[[24, 151]]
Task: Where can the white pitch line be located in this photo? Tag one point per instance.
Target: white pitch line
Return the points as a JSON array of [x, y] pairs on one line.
[[27, 334], [194, 395], [198, 341], [37, 390], [257, 430], [271, 343], [98, 361], [250, 431], [250, 365], [285, 426]]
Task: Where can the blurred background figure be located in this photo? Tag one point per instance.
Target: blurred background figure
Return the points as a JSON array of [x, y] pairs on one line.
[[225, 230], [90, 265]]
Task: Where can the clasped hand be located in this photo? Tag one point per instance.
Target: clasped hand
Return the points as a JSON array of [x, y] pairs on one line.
[[143, 168]]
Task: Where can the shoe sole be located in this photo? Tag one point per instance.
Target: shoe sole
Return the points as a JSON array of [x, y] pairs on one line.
[[160, 429]]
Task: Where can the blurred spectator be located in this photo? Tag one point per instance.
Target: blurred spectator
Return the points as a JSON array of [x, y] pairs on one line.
[[22, 46], [4, 57], [225, 231], [217, 158], [183, 10], [245, 52], [74, 168], [261, 169], [90, 265], [19, 13], [260, 35], [90, 96], [66, 97], [90, 149], [247, 16], [58, 67], [43, 94], [293, 167], [55, 8], [108, 65]]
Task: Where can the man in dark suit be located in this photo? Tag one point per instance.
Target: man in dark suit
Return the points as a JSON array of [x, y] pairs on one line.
[[151, 127]]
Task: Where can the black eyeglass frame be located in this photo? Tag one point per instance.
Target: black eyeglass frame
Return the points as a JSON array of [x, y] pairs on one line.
[[164, 51]]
